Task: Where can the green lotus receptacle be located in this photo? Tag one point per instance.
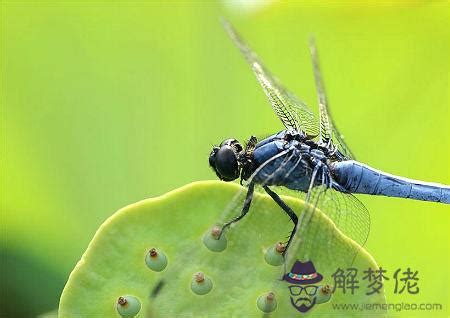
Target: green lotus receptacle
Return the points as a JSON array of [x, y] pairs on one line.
[[151, 259]]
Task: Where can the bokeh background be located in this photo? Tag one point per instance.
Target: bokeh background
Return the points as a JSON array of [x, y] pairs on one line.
[[107, 103]]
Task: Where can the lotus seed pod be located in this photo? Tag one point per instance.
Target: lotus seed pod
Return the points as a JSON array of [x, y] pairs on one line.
[[214, 240], [201, 284], [113, 264], [156, 260], [274, 256], [267, 302], [128, 306], [323, 294]]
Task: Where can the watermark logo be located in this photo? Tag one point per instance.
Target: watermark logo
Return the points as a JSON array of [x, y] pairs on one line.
[[303, 286], [307, 288]]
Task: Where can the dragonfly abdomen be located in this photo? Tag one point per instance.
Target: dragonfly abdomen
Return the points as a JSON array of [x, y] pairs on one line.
[[356, 177]]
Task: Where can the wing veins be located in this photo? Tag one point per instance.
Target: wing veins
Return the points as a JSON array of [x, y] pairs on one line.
[[328, 134], [293, 113]]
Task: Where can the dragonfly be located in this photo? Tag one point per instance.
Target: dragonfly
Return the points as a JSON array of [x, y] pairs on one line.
[[309, 156]]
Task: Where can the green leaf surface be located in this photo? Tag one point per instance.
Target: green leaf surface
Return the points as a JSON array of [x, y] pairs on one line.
[[175, 223]]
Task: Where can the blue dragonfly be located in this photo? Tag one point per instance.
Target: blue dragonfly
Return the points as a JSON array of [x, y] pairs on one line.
[[309, 156]]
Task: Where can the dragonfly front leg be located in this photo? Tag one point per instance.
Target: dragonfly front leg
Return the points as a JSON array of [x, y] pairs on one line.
[[286, 209], [245, 208]]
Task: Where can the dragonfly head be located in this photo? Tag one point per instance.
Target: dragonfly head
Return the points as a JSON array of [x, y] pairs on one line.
[[224, 160]]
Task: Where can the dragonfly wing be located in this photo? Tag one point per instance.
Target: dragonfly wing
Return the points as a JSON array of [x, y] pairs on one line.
[[293, 113], [346, 212], [328, 133]]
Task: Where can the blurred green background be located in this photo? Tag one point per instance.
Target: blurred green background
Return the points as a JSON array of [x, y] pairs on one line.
[[107, 103]]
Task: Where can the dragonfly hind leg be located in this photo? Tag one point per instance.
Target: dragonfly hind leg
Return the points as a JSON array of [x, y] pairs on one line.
[[288, 211], [245, 208]]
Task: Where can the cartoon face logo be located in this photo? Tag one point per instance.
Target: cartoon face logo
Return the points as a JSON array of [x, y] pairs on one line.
[[305, 293], [305, 302]]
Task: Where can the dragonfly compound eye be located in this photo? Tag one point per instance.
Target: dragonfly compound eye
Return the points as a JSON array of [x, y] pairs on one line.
[[226, 163], [212, 157]]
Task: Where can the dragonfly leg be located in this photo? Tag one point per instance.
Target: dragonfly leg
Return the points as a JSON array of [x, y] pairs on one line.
[[286, 209], [245, 208]]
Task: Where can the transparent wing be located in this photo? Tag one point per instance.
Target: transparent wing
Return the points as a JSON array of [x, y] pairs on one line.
[[293, 113], [328, 133], [348, 214], [345, 212]]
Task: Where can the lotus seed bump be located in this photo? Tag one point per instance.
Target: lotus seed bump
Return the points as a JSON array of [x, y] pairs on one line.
[[280, 247], [156, 260], [267, 302], [274, 254], [122, 301], [326, 289], [215, 240], [324, 294], [201, 284], [199, 277], [215, 232], [128, 306]]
